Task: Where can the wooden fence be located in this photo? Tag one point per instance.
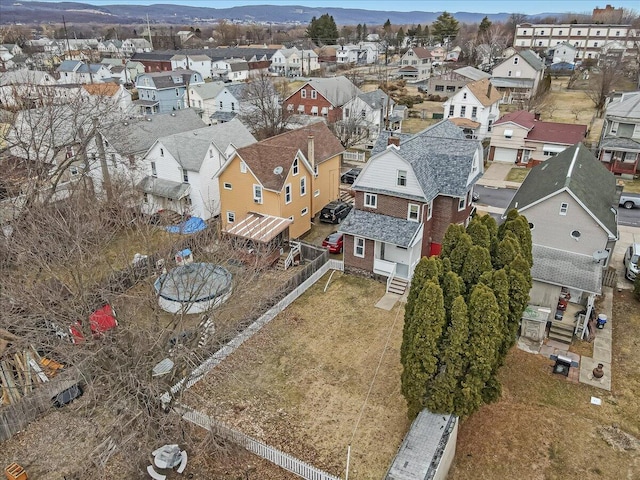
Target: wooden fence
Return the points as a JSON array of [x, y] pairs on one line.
[[275, 456], [354, 156]]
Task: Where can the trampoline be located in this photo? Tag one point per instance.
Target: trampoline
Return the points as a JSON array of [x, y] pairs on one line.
[[193, 288]]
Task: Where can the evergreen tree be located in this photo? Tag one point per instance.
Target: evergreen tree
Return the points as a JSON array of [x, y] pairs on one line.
[[476, 261], [358, 32], [420, 362], [483, 29], [400, 37], [451, 238], [479, 233], [445, 27], [508, 249], [365, 32], [387, 28], [490, 222], [323, 30], [519, 225], [444, 393], [453, 287]]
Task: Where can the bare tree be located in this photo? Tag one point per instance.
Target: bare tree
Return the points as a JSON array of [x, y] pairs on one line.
[[601, 84], [263, 111]]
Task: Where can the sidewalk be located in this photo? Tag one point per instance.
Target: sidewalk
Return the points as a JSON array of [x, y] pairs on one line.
[[601, 348], [494, 176]]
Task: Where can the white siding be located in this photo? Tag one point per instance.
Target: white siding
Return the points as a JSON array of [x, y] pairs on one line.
[[381, 173]]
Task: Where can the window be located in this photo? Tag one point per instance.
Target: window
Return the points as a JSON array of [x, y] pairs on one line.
[[413, 212], [363, 113], [452, 110], [508, 133], [185, 176], [325, 112], [304, 211], [371, 200], [227, 186], [290, 107], [303, 93], [231, 217], [316, 193], [439, 88], [490, 125], [474, 112], [451, 88], [233, 106], [524, 32], [314, 94], [597, 33], [162, 152], [70, 151], [575, 234], [154, 171], [560, 32], [257, 193], [177, 92], [295, 168], [617, 33], [402, 178], [462, 203], [73, 170], [358, 247], [346, 113], [315, 169], [145, 197], [429, 210], [463, 111], [243, 167], [464, 96], [614, 127], [220, 104], [579, 32], [595, 44], [563, 208], [303, 186], [509, 73], [287, 193]]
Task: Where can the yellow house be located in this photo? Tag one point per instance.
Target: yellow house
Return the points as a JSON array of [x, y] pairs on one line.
[[290, 176]]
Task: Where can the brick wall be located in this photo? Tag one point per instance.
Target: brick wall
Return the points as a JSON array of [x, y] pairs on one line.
[[445, 212], [320, 102], [156, 65], [357, 264], [387, 205]]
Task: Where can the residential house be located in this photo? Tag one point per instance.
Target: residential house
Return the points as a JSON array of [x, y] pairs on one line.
[[6, 59], [233, 69], [74, 71], [25, 88], [112, 48], [474, 108], [517, 78], [324, 97], [415, 64], [571, 204], [448, 83], [228, 102], [290, 176], [13, 48], [181, 168], [184, 36], [365, 115], [438, 53], [135, 45], [562, 52], [162, 92], [122, 70], [619, 146], [154, 61], [411, 189], [203, 97], [114, 93], [363, 53], [521, 137], [196, 63], [291, 62]]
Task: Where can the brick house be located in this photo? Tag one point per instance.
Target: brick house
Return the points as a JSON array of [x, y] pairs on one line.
[[154, 61], [323, 97], [410, 191]]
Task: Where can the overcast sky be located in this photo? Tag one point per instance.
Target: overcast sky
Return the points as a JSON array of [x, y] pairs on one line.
[[475, 6]]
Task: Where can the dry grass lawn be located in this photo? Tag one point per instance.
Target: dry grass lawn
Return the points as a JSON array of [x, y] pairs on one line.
[[301, 382], [517, 174], [544, 427]]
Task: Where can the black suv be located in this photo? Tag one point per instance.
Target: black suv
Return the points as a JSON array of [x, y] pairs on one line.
[[350, 176], [335, 211]]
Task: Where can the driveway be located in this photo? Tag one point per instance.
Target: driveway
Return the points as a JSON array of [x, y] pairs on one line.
[[628, 235]]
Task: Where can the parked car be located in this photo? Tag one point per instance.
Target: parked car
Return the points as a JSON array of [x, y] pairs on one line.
[[628, 202], [475, 196], [334, 242], [631, 260], [350, 176], [335, 211]]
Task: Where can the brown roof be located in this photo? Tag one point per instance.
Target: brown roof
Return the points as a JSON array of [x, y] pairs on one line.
[[421, 52], [279, 151], [552, 132], [104, 89], [479, 89], [464, 122], [520, 117]]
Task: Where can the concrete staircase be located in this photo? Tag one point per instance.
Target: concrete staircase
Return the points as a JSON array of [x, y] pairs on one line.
[[347, 196], [561, 332], [397, 286]]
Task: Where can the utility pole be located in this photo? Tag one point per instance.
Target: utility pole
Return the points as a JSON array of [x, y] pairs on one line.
[[104, 168], [149, 32], [66, 36]]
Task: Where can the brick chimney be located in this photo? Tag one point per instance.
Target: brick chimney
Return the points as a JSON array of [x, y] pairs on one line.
[[536, 116], [489, 90], [311, 154], [393, 141]]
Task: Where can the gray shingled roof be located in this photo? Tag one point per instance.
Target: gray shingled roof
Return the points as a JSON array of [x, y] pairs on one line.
[[566, 269], [223, 116], [504, 82], [472, 73], [68, 66], [208, 90], [338, 90], [575, 170], [628, 106], [376, 99], [532, 59], [190, 148], [619, 143], [440, 156], [236, 89], [140, 133], [213, 53], [384, 228], [163, 188], [166, 79]]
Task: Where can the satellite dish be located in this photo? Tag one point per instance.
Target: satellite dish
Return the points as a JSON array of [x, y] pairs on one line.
[[277, 170], [600, 255]]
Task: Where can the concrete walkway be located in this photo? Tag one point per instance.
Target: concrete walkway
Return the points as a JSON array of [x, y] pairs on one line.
[[601, 347], [495, 174]]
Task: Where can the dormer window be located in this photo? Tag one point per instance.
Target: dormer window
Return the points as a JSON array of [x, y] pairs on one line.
[[402, 178], [295, 168]]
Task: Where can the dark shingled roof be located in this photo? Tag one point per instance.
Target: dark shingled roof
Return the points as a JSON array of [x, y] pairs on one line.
[[374, 226], [577, 171], [566, 269]]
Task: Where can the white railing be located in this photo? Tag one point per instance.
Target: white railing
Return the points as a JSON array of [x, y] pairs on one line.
[[354, 156], [293, 251], [383, 267], [278, 457], [391, 275]]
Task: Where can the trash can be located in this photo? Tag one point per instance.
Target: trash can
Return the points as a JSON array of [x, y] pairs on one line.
[[600, 322], [15, 472]]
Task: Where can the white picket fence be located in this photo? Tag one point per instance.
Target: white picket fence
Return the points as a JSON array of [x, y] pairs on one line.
[[275, 456], [353, 156]]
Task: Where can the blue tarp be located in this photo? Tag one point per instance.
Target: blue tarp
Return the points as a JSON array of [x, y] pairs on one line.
[[191, 225]]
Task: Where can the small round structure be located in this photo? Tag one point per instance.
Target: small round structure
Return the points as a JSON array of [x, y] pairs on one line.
[[193, 288]]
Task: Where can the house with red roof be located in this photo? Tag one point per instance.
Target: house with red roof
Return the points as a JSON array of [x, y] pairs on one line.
[[415, 64], [520, 137]]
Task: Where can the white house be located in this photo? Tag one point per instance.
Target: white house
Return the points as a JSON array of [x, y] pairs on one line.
[[362, 53], [181, 166], [18, 85], [197, 63], [233, 69], [135, 45], [291, 62], [73, 71], [474, 108], [563, 52], [518, 77], [228, 102], [368, 113], [415, 64], [203, 97]]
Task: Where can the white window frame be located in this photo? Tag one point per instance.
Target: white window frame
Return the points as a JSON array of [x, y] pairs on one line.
[[162, 152], [304, 211], [564, 208], [257, 193], [463, 111], [231, 217], [287, 193], [370, 200], [243, 167], [303, 186], [295, 168], [74, 170], [401, 178], [314, 94], [316, 193], [227, 186], [154, 169], [430, 210], [410, 207], [462, 203], [303, 93], [185, 175], [358, 247]]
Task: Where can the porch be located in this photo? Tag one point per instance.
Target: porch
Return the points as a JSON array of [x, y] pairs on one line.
[[160, 194], [620, 155]]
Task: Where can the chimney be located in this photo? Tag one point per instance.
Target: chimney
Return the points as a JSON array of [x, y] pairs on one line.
[[393, 141], [489, 90], [619, 188], [536, 116], [311, 154]]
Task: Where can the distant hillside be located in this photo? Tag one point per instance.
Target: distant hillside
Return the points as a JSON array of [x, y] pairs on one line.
[[28, 12]]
